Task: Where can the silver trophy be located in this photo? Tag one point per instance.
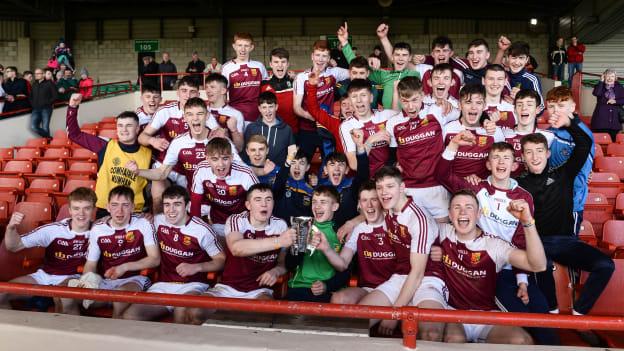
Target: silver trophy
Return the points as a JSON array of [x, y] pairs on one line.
[[303, 227]]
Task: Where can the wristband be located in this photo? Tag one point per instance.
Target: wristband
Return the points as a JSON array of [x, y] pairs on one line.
[[529, 224]]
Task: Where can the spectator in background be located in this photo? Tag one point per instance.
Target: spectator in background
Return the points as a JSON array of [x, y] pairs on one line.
[[52, 63], [63, 54], [213, 67], [558, 59], [575, 58], [67, 85], [166, 66], [42, 97], [16, 90], [609, 94], [337, 58], [195, 67], [374, 62], [48, 74], [85, 84], [28, 76], [379, 54], [149, 67], [58, 73], [2, 93]]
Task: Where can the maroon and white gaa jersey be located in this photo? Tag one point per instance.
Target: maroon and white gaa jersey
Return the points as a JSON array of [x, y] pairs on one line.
[[375, 253], [112, 247], [513, 137], [507, 119], [324, 91], [471, 159], [419, 142], [224, 196], [218, 118], [184, 154], [241, 272], [379, 152], [194, 242], [470, 268], [169, 122], [144, 118], [410, 231], [244, 86], [65, 250]]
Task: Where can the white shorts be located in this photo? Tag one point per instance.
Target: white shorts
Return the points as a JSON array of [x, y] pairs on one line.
[[141, 281], [476, 332], [431, 288], [434, 199], [178, 288], [43, 278], [222, 290], [173, 176]]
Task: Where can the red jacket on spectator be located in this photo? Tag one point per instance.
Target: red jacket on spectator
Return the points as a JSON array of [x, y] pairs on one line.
[[85, 87], [575, 53]]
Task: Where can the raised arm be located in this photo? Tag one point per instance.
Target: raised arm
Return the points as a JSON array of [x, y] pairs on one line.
[[86, 140], [12, 239], [444, 170], [532, 259], [583, 142]]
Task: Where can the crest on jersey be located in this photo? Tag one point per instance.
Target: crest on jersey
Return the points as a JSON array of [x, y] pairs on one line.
[[254, 72], [381, 126], [232, 190], [424, 122], [402, 231], [130, 236], [475, 257], [222, 120], [187, 165], [482, 140], [237, 85], [503, 115], [327, 80], [186, 240], [116, 161], [401, 140]]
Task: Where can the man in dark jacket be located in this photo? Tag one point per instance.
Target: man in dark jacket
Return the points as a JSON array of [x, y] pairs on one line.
[[42, 96], [196, 67], [16, 90], [166, 66], [149, 67], [558, 59], [67, 85]]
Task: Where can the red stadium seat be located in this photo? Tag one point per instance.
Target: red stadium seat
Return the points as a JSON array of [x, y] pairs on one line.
[[37, 142], [4, 212], [587, 234], [17, 167], [6, 153], [71, 184], [602, 139], [619, 138], [60, 134], [598, 151], [37, 212], [56, 153], [17, 183], [84, 154], [615, 149], [48, 169], [43, 185], [109, 119], [27, 153], [63, 212], [619, 205], [597, 211], [543, 125], [563, 287], [606, 183], [612, 236], [82, 170], [60, 142], [108, 133], [107, 125], [610, 164]]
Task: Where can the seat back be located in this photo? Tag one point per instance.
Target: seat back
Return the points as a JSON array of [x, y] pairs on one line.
[[615, 149], [27, 153], [613, 164], [44, 185], [6, 153], [610, 302], [36, 211], [17, 183], [587, 233], [602, 138], [56, 153], [84, 153], [50, 167], [108, 133], [613, 232], [18, 166], [37, 142]]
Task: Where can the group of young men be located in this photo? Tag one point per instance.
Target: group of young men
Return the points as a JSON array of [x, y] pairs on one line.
[[448, 198]]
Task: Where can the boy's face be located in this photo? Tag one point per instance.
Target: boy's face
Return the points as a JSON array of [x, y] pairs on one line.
[[358, 73], [478, 56], [526, 110], [195, 118], [298, 168], [81, 212], [441, 54], [517, 63], [535, 156], [412, 104], [174, 210], [215, 90], [561, 108], [220, 164], [243, 47], [441, 82], [279, 66], [120, 209], [401, 57], [389, 191], [370, 206], [361, 101], [150, 101], [320, 58], [127, 130], [186, 92], [463, 213], [335, 171], [260, 205], [323, 207], [494, 82], [257, 153], [472, 107], [501, 164], [346, 108], [268, 112]]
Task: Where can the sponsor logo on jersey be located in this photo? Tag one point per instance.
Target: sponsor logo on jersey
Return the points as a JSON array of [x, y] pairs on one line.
[[377, 254], [116, 161], [172, 134], [187, 165], [472, 155], [130, 236], [482, 140], [503, 115], [59, 255], [416, 137], [187, 152], [474, 273], [105, 241], [62, 242]]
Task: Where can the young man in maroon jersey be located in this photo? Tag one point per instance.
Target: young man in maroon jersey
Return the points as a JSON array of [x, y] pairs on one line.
[[244, 77], [120, 246], [417, 139], [470, 160], [220, 184], [411, 233], [471, 259], [369, 240], [441, 52], [499, 110], [281, 84], [256, 243], [188, 249], [220, 113], [65, 244], [150, 102]]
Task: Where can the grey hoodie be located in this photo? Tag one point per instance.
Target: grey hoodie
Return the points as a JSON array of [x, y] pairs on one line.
[[279, 137]]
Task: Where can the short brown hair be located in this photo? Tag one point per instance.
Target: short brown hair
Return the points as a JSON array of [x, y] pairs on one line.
[[320, 45], [242, 36], [83, 194], [409, 86], [464, 192], [558, 94], [123, 191], [280, 53], [219, 146], [388, 172], [195, 102], [502, 146], [327, 190], [535, 138], [258, 138]]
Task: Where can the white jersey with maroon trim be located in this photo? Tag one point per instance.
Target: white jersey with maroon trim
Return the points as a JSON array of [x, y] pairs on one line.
[[218, 117], [324, 92], [169, 122], [112, 247], [429, 100], [193, 242], [375, 253], [224, 196], [244, 81], [506, 117], [241, 273], [65, 250], [471, 268], [144, 118]]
